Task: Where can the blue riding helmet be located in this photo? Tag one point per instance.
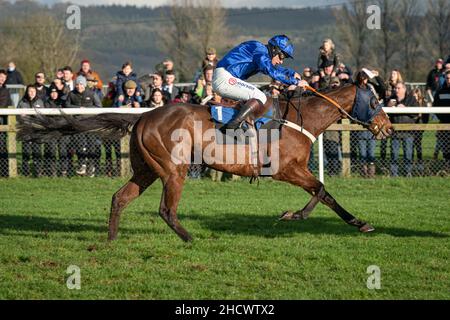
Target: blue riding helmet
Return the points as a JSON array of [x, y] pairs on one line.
[[282, 43]]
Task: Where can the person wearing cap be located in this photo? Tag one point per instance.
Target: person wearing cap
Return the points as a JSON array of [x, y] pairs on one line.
[[82, 98], [245, 60], [210, 58], [87, 150], [366, 143], [50, 147], [374, 82], [54, 99], [325, 79], [42, 90], [184, 96], [85, 71], [124, 75], [433, 77], [57, 98], [131, 98]]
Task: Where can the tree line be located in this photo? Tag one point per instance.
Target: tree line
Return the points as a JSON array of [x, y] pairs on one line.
[[411, 37]]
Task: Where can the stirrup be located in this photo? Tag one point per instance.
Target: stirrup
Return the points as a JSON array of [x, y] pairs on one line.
[[225, 127]]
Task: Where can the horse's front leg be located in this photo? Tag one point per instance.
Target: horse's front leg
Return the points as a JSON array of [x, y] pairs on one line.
[[306, 180], [329, 201]]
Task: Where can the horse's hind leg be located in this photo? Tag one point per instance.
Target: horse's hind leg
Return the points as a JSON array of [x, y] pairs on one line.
[[311, 185], [130, 191], [173, 185]]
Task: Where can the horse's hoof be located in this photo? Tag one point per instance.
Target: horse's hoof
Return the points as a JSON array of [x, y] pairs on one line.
[[288, 216], [366, 228], [186, 237]]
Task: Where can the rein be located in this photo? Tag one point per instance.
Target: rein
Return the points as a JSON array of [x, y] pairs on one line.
[[290, 124], [334, 103]]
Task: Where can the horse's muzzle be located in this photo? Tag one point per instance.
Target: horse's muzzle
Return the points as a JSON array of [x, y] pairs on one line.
[[381, 133], [385, 132]]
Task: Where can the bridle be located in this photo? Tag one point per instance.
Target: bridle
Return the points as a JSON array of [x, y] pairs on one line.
[[337, 105]]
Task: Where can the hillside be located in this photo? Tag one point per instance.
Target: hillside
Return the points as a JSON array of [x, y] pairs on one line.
[[112, 35]]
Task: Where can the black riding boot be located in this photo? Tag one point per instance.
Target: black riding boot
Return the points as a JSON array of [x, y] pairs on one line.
[[244, 112]]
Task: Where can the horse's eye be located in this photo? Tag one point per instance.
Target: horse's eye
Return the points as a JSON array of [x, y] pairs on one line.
[[373, 102]]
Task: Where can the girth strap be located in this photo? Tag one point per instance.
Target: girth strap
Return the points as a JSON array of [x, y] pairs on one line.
[[299, 129]]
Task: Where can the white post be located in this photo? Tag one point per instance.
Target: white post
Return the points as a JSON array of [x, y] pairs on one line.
[[321, 169]]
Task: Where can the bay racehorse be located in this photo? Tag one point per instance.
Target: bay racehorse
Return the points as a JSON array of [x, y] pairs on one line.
[[152, 144]]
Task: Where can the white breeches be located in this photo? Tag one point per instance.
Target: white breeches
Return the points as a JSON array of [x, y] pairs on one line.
[[233, 88]]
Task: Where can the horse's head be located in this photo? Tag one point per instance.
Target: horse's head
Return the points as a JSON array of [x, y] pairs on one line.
[[366, 108]]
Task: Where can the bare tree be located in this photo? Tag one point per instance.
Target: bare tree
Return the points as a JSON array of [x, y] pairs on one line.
[[192, 27], [212, 25], [353, 32], [38, 42], [410, 32], [175, 37], [57, 45], [387, 41], [438, 23]]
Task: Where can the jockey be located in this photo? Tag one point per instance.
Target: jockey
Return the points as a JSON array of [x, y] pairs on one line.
[[246, 60]]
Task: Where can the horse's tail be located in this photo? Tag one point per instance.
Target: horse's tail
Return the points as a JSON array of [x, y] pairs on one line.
[[40, 128]]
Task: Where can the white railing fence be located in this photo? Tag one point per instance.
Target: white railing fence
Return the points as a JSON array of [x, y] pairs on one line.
[[345, 127]]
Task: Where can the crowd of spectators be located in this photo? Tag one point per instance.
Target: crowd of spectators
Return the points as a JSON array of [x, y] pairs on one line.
[[69, 89]]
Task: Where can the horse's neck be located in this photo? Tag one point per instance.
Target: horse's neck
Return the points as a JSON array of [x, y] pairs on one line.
[[316, 113]]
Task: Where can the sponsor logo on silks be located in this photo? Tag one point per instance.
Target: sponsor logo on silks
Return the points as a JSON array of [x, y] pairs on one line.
[[242, 84], [232, 81], [245, 85]]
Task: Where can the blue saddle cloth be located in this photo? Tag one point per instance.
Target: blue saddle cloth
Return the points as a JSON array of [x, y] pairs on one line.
[[224, 115]]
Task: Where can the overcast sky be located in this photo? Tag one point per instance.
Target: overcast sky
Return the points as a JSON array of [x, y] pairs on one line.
[[226, 3]]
